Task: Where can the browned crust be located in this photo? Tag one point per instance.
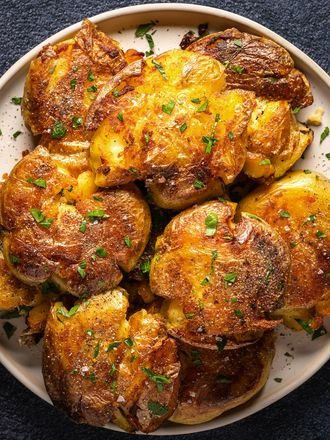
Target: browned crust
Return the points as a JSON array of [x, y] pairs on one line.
[[238, 311], [110, 385], [55, 253], [214, 382], [268, 68]]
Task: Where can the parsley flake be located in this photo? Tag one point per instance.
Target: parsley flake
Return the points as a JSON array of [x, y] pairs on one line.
[[211, 223], [168, 108], [325, 133], [160, 69]]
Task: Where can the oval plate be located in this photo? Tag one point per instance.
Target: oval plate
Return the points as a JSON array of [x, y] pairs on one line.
[[173, 21]]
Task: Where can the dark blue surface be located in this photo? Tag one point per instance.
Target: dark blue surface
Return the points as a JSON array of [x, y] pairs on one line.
[[305, 413]]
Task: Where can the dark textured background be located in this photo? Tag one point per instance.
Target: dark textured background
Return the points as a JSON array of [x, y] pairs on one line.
[[305, 413]]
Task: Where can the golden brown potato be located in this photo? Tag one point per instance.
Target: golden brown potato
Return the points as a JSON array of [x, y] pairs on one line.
[[258, 64], [110, 369], [13, 293], [275, 140], [213, 382], [62, 229], [298, 207], [64, 79], [221, 279], [184, 135]]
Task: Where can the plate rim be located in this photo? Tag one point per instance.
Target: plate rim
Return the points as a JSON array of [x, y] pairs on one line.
[[11, 364]]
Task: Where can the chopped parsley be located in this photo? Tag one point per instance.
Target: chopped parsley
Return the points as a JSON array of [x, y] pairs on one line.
[[189, 315], [239, 313], [237, 43], [159, 379], [101, 252], [14, 259], [156, 408], [81, 269], [82, 227], [96, 350], [278, 379], [203, 107], [16, 100], [38, 182], [120, 117], [305, 325], [320, 234], [206, 280], [150, 42], [264, 162], [129, 342], [296, 110], [325, 133], [307, 172], [285, 214], [9, 329], [90, 76], [160, 69], [128, 242], [113, 345], [231, 135], [196, 101], [68, 313], [230, 277], [96, 214], [145, 266], [143, 28], [183, 127], [16, 134], [327, 156], [93, 88], [40, 218], [58, 130], [167, 108], [89, 332], [77, 122], [73, 84], [293, 244], [115, 93], [209, 141], [211, 223], [198, 184]]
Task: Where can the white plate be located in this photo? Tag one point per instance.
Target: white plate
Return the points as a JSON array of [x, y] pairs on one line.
[[174, 21]]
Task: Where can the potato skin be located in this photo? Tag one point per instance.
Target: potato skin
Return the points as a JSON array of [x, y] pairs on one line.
[[167, 147], [276, 137], [213, 382], [57, 83], [57, 252], [306, 198], [95, 384], [268, 68], [189, 270], [13, 293]]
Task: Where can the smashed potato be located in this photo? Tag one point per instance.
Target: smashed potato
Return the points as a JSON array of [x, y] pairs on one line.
[[213, 382], [62, 229], [110, 368], [298, 207], [258, 64], [276, 140], [220, 279], [184, 134]]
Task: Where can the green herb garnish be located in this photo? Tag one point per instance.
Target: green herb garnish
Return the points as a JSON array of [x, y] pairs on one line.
[[167, 108], [58, 130], [211, 223]]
